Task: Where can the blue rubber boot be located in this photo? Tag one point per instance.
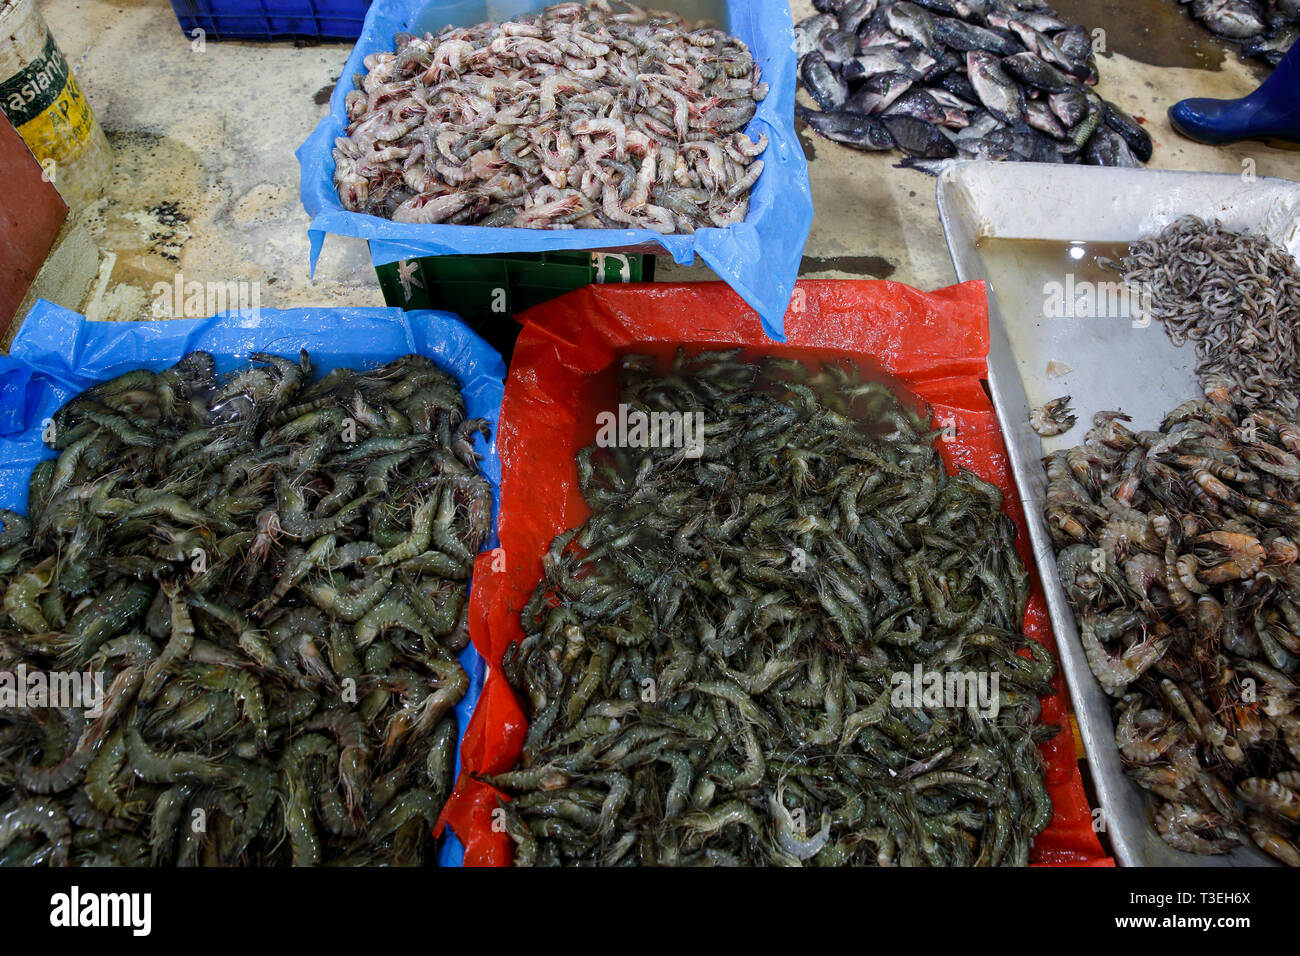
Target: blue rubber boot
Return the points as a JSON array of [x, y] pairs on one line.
[[1271, 112]]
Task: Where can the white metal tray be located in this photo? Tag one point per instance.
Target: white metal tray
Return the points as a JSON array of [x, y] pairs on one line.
[[1102, 364]]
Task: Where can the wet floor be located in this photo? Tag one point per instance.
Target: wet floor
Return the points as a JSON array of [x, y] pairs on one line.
[[205, 183], [1157, 32]]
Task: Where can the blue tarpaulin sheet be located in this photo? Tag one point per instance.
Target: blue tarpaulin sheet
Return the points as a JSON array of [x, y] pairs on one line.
[[759, 257], [58, 354]]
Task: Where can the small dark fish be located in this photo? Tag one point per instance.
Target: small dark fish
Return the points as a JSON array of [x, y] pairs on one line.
[[878, 93], [875, 33], [1234, 19], [807, 32], [837, 46], [910, 21], [980, 148], [943, 7], [1107, 148], [1032, 70], [1275, 45], [953, 118], [1027, 143], [959, 84], [945, 63], [1031, 38], [918, 138], [1034, 19], [875, 61], [864, 101], [980, 124], [851, 129], [1009, 77], [920, 62], [951, 101], [997, 91], [1070, 106], [855, 13], [965, 37], [1040, 116], [1138, 139], [1074, 43], [1044, 47], [822, 83], [917, 103]]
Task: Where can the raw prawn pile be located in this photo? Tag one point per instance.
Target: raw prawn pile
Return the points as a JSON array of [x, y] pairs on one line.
[[268, 570], [1236, 296], [579, 116], [711, 662], [1177, 551]]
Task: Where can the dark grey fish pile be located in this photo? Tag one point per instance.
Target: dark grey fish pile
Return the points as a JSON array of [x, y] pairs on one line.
[[267, 570], [711, 663], [1266, 30], [966, 79]]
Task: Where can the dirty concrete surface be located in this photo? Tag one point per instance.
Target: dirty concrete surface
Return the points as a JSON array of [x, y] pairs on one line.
[[206, 183]]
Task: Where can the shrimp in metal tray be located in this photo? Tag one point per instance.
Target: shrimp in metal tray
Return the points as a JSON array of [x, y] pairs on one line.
[[1198, 638]]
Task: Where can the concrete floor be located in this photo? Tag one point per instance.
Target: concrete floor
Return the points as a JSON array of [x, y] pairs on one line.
[[206, 182]]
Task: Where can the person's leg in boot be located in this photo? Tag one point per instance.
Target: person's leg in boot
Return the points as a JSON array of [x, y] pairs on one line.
[[1271, 112]]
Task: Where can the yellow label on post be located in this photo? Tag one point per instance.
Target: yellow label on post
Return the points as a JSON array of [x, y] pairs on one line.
[[47, 107], [62, 130]]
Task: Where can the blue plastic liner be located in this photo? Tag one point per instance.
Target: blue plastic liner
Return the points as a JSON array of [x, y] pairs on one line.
[[759, 258], [272, 19], [58, 354]]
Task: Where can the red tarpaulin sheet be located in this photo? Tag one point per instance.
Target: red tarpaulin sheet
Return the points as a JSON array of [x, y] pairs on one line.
[[934, 343]]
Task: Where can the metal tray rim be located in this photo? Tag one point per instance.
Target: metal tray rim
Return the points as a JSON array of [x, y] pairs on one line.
[[1133, 839]]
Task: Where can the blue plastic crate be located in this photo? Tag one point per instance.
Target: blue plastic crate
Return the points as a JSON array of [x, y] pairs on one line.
[[759, 257], [272, 19]]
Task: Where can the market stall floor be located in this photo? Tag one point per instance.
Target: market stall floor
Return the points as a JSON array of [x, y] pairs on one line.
[[206, 184]]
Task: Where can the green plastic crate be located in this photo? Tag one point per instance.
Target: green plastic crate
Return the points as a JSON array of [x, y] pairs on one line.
[[488, 291]]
